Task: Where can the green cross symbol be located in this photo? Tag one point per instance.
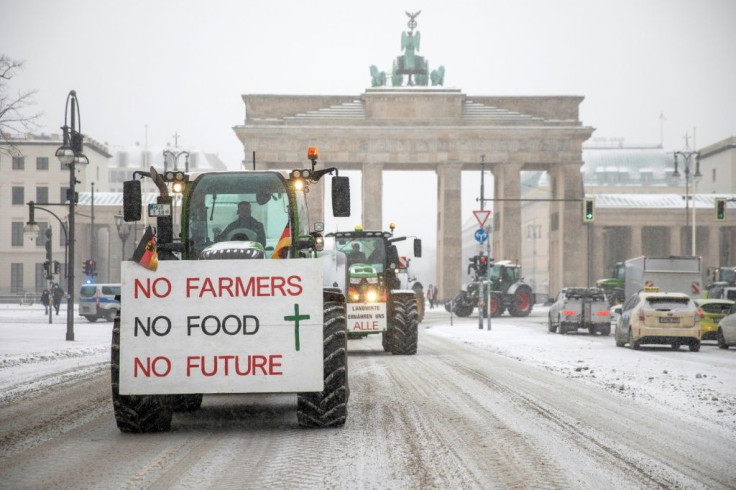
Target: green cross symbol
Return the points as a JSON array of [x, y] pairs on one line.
[[296, 317]]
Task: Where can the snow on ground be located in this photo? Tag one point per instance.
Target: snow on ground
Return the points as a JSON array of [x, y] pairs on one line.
[[34, 353], [700, 386]]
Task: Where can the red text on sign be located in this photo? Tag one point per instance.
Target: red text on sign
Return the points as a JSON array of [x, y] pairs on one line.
[[159, 366], [226, 365], [160, 287], [238, 287]]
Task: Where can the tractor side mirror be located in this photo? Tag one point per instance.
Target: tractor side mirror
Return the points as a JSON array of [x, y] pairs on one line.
[[340, 197], [132, 201], [417, 247]]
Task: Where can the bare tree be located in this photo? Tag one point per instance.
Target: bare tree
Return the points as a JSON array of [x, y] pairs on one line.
[[13, 116]]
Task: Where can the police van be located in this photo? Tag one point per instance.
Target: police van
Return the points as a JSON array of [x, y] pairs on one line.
[[99, 301]]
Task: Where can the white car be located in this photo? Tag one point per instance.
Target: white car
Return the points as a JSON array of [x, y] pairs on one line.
[[726, 334]]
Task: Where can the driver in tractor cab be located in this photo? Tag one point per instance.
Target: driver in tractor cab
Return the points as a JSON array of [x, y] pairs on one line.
[[244, 220], [355, 256]]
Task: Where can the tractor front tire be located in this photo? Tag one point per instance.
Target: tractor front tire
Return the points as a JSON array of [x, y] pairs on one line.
[[328, 408], [135, 413], [405, 331]]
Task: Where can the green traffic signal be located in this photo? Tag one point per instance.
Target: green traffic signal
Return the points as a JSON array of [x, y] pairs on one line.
[[588, 210], [720, 209]]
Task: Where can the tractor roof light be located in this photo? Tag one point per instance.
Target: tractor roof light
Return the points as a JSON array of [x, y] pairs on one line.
[[312, 153]]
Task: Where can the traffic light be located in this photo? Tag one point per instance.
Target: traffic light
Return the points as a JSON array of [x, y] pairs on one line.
[[89, 267], [57, 267], [482, 265], [93, 268], [588, 210], [720, 208], [47, 270]]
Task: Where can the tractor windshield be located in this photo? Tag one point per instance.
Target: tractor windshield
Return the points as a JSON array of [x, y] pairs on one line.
[[237, 206], [364, 250]]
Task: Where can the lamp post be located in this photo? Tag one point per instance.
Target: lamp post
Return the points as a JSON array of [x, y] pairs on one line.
[[32, 230], [123, 232], [687, 155], [70, 153]]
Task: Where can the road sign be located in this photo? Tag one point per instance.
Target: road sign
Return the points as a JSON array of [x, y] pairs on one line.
[[481, 235], [481, 216]]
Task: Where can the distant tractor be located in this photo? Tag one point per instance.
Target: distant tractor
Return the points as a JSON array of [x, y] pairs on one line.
[[376, 302], [509, 291], [613, 287]]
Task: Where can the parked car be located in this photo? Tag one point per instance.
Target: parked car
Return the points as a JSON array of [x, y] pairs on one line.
[[576, 308], [99, 301], [711, 311], [726, 334], [652, 317]]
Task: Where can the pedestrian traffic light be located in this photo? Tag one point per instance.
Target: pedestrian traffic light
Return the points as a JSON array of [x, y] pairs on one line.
[[57, 267], [47, 270], [588, 210], [720, 208]]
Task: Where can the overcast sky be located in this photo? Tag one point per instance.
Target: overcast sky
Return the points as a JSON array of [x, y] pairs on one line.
[[182, 66]]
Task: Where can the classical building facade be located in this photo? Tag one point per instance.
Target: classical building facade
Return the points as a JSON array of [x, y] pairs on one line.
[[445, 131]]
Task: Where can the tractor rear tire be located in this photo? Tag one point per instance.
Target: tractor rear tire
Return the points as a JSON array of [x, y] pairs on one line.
[[185, 403], [328, 408], [405, 335], [521, 303], [135, 413], [462, 309]]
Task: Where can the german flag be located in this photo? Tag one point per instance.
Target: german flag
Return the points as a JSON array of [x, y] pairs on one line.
[[145, 253], [284, 243]]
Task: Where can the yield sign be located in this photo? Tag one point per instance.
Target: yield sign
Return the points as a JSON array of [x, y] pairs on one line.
[[481, 216]]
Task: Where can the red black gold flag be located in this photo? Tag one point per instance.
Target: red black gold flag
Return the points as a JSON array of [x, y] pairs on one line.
[[284, 242], [145, 253]]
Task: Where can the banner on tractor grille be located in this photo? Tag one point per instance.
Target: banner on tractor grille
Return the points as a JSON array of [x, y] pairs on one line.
[[221, 326], [366, 317]]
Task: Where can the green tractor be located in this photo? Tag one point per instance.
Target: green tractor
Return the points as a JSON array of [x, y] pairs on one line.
[[508, 290], [614, 286], [235, 302], [365, 266]]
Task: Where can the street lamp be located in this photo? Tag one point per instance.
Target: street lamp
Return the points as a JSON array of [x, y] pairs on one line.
[[32, 230], [70, 154], [123, 232], [687, 155]]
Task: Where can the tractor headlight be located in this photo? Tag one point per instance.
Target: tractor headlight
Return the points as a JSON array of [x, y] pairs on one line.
[[371, 296], [372, 280]]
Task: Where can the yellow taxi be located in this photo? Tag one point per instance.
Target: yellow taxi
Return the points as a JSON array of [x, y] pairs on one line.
[[654, 317], [711, 311]]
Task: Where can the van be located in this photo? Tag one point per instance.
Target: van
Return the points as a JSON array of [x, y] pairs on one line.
[[99, 301]]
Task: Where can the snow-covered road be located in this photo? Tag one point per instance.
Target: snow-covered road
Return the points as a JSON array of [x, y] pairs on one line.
[[512, 407]]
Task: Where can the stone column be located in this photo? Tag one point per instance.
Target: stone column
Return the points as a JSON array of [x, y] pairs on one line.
[[449, 230], [507, 214], [372, 215], [635, 245], [568, 236], [675, 243]]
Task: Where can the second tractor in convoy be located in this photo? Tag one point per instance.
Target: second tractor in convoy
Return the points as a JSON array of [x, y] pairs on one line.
[[364, 266]]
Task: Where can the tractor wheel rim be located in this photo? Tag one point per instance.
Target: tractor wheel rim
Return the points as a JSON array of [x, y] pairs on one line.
[[524, 301]]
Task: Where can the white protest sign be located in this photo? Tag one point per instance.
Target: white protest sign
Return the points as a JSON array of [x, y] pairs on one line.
[[221, 326], [366, 317]]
